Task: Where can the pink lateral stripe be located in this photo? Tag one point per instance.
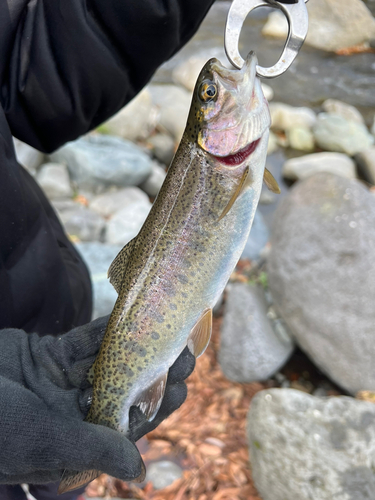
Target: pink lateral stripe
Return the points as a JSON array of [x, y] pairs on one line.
[[240, 156]]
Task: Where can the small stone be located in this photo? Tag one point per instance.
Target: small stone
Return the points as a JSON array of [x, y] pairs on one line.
[[249, 351], [334, 133], [28, 157], [162, 147], [305, 166], [266, 197], [82, 223], [285, 117], [258, 239], [303, 447], [186, 74], [109, 203], [301, 138], [272, 143], [267, 91], [135, 121], [366, 164], [346, 111], [162, 474], [98, 257], [99, 161], [54, 180], [276, 25], [126, 223], [154, 182]]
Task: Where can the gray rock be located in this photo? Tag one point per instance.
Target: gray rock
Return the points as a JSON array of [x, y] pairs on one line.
[[82, 223], [267, 91], [333, 24], [99, 161], [113, 201], [366, 164], [249, 350], [28, 157], [152, 184], [335, 107], [305, 448], [305, 166], [187, 72], [301, 138], [162, 474], [163, 147], [334, 133], [98, 257], [322, 277], [126, 223], [135, 121], [174, 104], [54, 180], [257, 240], [285, 117]]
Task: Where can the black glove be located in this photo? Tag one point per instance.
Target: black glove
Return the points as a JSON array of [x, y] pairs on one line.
[[44, 396]]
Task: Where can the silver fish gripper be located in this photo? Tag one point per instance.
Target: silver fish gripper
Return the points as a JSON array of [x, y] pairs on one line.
[[298, 22]]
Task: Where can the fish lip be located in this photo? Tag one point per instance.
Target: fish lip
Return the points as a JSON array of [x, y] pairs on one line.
[[237, 158]]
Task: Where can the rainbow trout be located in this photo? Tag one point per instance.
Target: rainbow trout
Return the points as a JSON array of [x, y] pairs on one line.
[[170, 276]]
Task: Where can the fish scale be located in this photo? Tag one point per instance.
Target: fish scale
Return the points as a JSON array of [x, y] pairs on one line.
[[171, 275]]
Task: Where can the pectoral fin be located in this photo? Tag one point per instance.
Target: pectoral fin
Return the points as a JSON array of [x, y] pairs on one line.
[[236, 193], [200, 334], [117, 268], [271, 182], [149, 400]]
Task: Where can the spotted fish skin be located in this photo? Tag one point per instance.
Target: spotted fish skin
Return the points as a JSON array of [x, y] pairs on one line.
[[178, 265]]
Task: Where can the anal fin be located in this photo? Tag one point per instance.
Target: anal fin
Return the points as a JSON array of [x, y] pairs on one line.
[[271, 182], [149, 400], [200, 334], [71, 480], [117, 268]]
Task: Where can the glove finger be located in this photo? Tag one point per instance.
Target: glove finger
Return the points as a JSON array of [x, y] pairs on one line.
[[182, 367], [37, 477], [85, 400], [78, 373], [84, 341], [174, 396]]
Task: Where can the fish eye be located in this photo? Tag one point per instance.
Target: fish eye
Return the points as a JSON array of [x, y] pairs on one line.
[[207, 91]]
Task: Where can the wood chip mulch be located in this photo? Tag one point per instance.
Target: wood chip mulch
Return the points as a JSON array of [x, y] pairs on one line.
[[206, 437]]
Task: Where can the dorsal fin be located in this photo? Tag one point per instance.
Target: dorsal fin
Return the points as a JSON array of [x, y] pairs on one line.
[[117, 268], [271, 182], [149, 400], [200, 334], [236, 194]]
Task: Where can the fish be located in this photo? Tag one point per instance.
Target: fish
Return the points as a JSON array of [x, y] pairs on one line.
[[170, 276]]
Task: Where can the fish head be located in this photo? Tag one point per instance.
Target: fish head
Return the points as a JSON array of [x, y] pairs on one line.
[[229, 117]]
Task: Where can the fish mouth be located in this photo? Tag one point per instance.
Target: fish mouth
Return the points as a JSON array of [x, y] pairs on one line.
[[239, 156]]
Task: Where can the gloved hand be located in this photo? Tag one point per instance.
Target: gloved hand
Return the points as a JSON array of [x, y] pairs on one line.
[[44, 396]]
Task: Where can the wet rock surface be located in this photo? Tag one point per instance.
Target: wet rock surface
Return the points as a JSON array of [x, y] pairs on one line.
[[162, 474], [303, 447], [54, 180], [305, 166]]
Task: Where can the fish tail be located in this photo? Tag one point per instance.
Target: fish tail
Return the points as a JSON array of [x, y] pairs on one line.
[[71, 480]]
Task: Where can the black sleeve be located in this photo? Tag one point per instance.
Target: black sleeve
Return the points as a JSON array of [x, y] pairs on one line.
[[74, 63]]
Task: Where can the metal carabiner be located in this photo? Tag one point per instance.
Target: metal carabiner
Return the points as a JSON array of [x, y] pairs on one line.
[[298, 22]]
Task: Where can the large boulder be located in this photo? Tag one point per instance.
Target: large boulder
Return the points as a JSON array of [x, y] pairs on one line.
[[305, 166], [250, 349], [322, 275], [308, 448]]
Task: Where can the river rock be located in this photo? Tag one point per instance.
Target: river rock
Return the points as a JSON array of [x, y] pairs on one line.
[[285, 117], [305, 166], [366, 164], [334, 133], [162, 474], [28, 157], [162, 147], [174, 104], [322, 276], [113, 201], [187, 72], [333, 24], [99, 161], [272, 143], [82, 223], [154, 182], [346, 111], [54, 180], [135, 121], [98, 257], [250, 350], [126, 223], [301, 138], [258, 239], [304, 448]]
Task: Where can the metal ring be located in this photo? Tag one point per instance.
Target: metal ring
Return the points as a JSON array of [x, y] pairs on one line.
[[298, 21]]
